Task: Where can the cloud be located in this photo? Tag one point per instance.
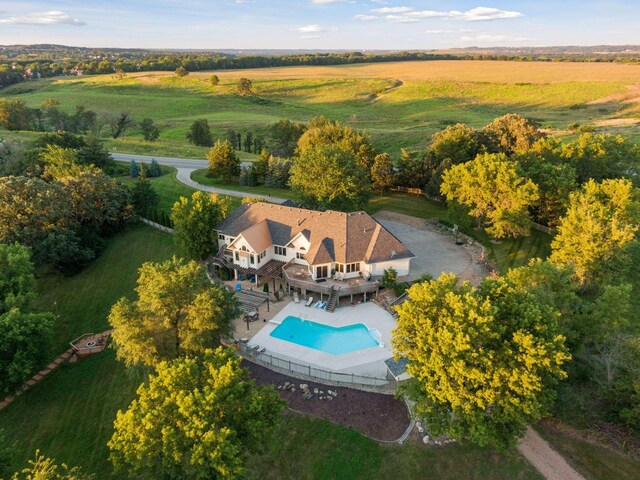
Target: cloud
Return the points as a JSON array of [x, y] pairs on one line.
[[365, 18], [326, 2], [308, 29], [459, 30], [488, 38], [477, 14], [392, 10], [52, 17]]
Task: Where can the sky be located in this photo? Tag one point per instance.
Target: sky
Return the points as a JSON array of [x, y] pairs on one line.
[[319, 24]]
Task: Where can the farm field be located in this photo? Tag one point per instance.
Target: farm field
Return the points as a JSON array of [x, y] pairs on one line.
[[399, 104]]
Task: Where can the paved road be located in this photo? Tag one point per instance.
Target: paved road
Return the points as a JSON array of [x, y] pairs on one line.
[[185, 167]]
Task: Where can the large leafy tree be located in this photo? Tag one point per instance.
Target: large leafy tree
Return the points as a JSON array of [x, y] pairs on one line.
[[511, 133], [602, 156], [323, 132], [16, 277], [194, 419], [24, 346], [194, 221], [285, 135], [482, 361], [600, 225], [555, 178], [330, 177], [457, 143], [382, 174], [223, 161], [498, 196], [37, 214], [178, 312]]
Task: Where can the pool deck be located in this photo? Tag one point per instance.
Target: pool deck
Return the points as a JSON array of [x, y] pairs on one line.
[[369, 361]]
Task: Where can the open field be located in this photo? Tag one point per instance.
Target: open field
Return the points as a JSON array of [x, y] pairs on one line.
[[400, 104]]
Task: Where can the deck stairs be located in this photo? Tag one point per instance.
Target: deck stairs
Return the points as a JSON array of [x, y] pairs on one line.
[[333, 300]]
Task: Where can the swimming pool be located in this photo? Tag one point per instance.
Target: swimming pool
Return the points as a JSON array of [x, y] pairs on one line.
[[333, 340]]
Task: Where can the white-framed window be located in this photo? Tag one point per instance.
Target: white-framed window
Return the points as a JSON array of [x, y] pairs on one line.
[[252, 259], [261, 256], [300, 256], [221, 236], [237, 257], [280, 250], [340, 267]]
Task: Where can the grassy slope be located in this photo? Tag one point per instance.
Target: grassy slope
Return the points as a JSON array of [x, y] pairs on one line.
[[315, 449], [592, 461], [201, 177], [371, 97], [70, 414]]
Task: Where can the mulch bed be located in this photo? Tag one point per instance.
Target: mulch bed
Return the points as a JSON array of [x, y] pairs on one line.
[[382, 417]]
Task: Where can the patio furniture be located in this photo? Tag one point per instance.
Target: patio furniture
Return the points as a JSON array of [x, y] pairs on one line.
[[317, 304], [238, 287], [309, 302], [296, 299], [323, 305]]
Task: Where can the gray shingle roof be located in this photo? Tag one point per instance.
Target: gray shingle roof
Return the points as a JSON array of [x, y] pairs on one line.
[[334, 236]]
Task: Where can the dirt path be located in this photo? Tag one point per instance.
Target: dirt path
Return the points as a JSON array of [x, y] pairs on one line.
[[548, 462]]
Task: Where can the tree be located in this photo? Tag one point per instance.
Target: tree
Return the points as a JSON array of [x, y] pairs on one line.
[[555, 178], [601, 222], [245, 86], [412, 170], [143, 196], [120, 124], [181, 72], [24, 346], [16, 277], [15, 114], [382, 175], [285, 135], [194, 222], [512, 133], [43, 468], [248, 141], [38, 215], [389, 278], [223, 161], [278, 172], [194, 420], [178, 313], [60, 162], [483, 361], [93, 152], [321, 131], [154, 169], [330, 178], [457, 143], [214, 80], [495, 191], [601, 156], [150, 131], [200, 134], [99, 203], [134, 169]]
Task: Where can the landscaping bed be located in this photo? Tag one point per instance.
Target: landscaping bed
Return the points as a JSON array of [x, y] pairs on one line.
[[381, 417]]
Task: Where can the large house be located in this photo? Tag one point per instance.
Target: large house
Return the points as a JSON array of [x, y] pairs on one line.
[[310, 246]]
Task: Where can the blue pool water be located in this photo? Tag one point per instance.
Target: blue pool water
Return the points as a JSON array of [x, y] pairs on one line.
[[333, 340]]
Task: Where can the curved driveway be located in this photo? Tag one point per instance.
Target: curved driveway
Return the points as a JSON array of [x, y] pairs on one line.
[[185, 167]]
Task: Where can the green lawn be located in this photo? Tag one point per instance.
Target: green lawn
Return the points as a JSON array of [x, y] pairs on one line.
[[169, 190], [592, 461], [70, 414], [307, 448], [201, 177]]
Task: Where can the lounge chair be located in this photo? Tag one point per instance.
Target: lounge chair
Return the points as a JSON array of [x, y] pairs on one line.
[[296, 299], [238, 287], [323, 305], [317, 304], [262, 350], [309, 302]]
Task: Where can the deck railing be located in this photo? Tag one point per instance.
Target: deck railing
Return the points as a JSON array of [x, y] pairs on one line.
[[325, 289]]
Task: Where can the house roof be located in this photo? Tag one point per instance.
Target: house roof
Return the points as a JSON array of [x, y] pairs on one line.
[[334, 236]]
